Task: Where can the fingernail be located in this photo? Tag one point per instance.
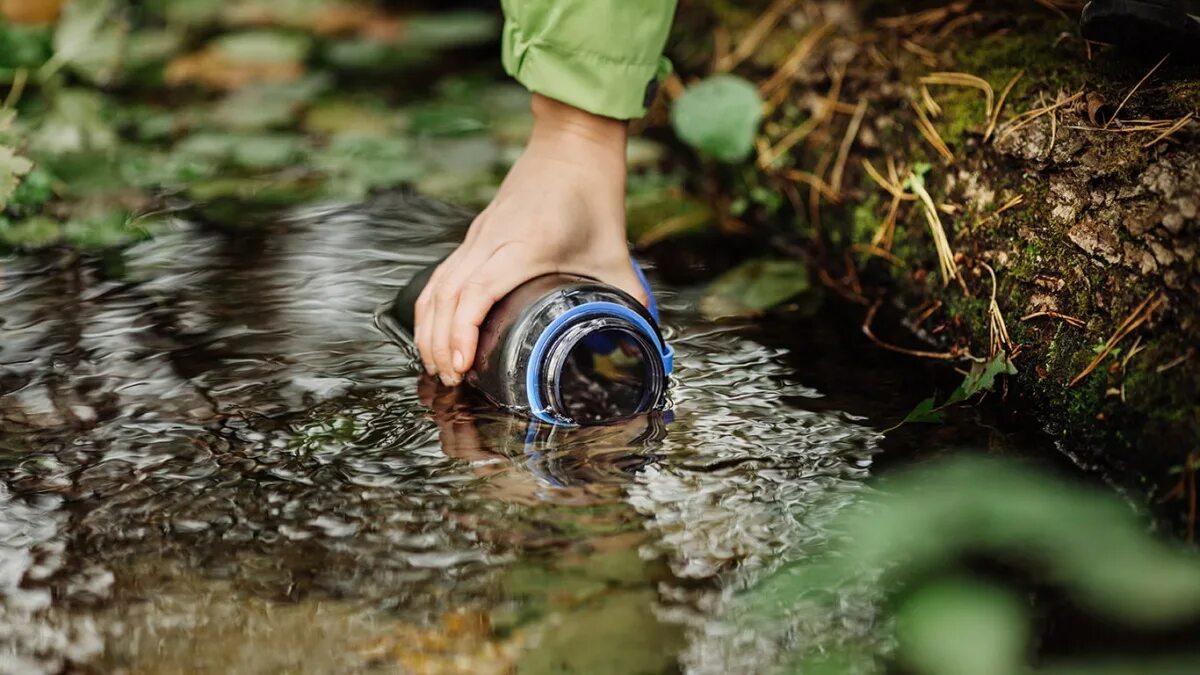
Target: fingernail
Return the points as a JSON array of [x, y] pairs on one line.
[[449, 380], [429, 369], [459, 361]]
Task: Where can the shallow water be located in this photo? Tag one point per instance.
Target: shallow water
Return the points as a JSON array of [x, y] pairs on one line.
[[211, 461]]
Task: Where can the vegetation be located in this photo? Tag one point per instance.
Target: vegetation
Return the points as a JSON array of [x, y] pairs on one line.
[[1014, 190]]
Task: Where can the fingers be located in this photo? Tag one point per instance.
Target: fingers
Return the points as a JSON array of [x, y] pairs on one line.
[[504, 271]]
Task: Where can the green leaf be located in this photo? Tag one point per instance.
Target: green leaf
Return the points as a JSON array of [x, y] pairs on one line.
[[926, 412], [76, 123], [12, 167], [264, 46], [982, 378], [90, 39], [264, 106], [719, 116], [34, 232], [962, 627], [753, 287], [356, 164], [107, 230], [246, 150], [450, 29]]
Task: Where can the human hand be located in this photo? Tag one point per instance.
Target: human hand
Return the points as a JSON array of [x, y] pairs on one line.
[[560, 209]]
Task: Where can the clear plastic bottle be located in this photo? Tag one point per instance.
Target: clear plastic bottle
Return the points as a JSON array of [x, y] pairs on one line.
[[566, 349]]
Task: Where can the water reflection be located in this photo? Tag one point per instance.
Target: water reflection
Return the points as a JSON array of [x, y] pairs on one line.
[[224, 421]]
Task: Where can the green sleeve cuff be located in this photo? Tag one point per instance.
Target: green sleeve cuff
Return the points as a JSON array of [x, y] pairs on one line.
[[602, 56]]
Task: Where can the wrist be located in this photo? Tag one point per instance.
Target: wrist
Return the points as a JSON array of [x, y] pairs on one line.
[[572, 129]]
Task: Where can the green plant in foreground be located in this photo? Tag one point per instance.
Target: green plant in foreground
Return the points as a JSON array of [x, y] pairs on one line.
[[911, 540]]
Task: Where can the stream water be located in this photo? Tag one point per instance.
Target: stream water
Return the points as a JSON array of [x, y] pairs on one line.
[[211, 461]]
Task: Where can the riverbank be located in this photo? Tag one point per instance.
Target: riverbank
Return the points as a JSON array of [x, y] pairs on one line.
[[1058, 224]]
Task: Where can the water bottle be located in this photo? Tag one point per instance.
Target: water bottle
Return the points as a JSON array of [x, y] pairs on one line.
[[566, 349]]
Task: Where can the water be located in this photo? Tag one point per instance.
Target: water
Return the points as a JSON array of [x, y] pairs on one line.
[[211, 461]]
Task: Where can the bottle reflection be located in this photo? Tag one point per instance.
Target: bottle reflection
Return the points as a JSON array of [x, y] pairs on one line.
[[537, 460]]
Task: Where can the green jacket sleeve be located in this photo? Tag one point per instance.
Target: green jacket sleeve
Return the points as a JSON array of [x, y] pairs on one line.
[[598, 55]]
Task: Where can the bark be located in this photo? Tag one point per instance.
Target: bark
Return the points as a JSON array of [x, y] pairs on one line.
[[1087, 211]]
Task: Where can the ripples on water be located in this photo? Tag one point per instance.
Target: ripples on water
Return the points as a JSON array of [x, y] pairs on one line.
[[216, 461]]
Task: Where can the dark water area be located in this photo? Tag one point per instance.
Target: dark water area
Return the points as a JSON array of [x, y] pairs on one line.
[[211, 460]]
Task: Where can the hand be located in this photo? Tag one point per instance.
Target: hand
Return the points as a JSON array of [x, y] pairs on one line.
[[560, 209]]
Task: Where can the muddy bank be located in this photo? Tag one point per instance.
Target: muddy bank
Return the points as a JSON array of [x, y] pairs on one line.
[[1047, 163]]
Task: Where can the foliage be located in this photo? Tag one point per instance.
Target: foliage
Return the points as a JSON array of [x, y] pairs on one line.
[[113, 111], [913, 540], [754, 287], [980, 379], [719, 116]]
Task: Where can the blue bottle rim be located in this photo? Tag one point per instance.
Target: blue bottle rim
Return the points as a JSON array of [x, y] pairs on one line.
[[585, 311]]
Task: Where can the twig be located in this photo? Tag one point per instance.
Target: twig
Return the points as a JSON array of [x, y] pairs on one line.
[[872, 249], [18, 87], [1069, 320], [1028, 117], [1140, 315], [813, 181], [1183, 122], [924, 18], [995, 117], [1053, 8], [792, 63], [1175, 361], [866, 329], [930, 133], [755, 35], [839, 166], [1135, 88]]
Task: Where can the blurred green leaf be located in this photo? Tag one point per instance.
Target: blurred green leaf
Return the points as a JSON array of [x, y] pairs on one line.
[[374, 56], [719, 116], [962, 627], [107, 230], [90, 38], [12, 167], [451, 29], [926, 412], [356, 164], [255, 151], [146, 47], [368, 118], [753, 287], [267, 105], [29, 233], [23, 46], [443, 118], [76, 122], [263, 46], [982, 378]]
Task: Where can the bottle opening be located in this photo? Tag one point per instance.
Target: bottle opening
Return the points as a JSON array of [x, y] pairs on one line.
[[605, 375]]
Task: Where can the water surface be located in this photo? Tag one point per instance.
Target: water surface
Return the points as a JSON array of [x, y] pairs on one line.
[[211, 461]]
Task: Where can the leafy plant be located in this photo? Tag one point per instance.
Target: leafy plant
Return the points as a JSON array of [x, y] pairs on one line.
[[719, 116], [910, 541], [754, 287]]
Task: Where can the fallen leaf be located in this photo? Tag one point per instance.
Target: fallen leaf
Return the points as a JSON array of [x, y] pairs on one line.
[[76, 123], [90, 39], [754, 287], [241, 59], [31, 12], [926, 412]]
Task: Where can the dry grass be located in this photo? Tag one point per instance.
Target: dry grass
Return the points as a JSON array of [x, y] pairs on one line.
[[998, 337], [1140, 315], [946, 264], [795, 61], [754, 37], [931, 133], [995, 116], [1183, 122], [1134, 90], [866, 329], [964, 80], [839, 165], [1069, 320], [1029, 117]]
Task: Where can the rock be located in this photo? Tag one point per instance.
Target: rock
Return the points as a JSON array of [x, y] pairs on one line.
[[1095, 240], [1140, 259]]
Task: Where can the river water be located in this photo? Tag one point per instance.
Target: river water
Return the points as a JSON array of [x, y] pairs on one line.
[[211, 461]]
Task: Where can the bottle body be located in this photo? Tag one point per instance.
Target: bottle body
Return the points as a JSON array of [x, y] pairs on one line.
[[566, 349]]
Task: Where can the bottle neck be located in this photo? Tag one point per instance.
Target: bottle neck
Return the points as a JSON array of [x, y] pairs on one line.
[[602, 369]]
